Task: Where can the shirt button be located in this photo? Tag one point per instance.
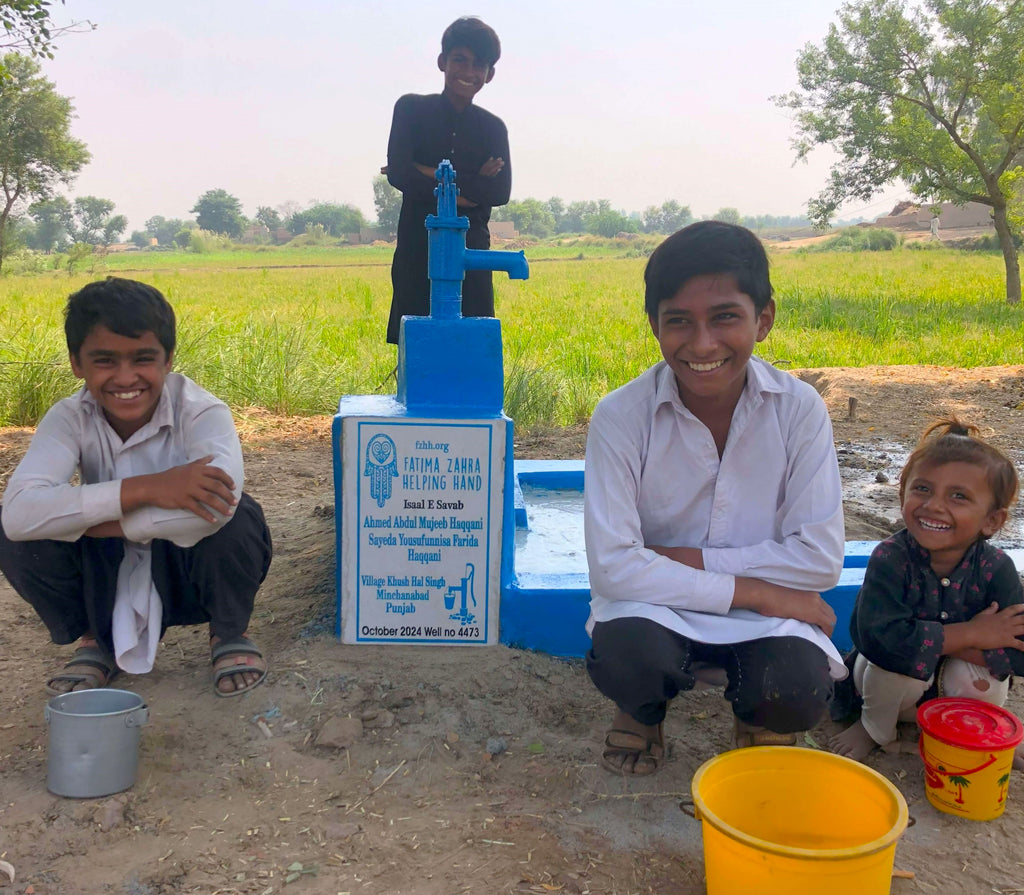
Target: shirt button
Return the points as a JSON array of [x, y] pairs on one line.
[[943, 615], [944, 582]]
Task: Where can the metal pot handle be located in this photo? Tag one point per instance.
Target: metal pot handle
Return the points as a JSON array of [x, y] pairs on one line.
[[137, 717]]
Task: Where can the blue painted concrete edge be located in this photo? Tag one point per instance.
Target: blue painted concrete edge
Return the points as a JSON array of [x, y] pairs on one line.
[[548, 612]]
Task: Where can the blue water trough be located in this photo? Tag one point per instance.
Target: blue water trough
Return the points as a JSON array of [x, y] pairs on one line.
[[545, 592]]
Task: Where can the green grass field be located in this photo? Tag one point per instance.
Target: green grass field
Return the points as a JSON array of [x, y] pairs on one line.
[[294, 330]]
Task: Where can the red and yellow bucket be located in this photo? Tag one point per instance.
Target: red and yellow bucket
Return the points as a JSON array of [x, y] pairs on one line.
[[967, 747]]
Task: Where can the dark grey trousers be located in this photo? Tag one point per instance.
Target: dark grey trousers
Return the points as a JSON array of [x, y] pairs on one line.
[[781, 683]]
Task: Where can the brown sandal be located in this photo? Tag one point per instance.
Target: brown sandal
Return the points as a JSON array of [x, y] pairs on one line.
[[629, 753], [90, 665], [745, 735]]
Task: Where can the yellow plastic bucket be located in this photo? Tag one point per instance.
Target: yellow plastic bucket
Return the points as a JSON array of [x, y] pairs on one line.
[[967, 748], [783, 821]]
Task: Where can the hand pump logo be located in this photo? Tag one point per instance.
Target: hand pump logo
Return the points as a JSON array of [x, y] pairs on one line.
[[381, 467]]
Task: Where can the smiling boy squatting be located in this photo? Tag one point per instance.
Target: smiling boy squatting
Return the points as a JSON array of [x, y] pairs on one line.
[[158, 532], [713, 512]]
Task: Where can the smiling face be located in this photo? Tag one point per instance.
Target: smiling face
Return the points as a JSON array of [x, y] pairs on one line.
[[947, 506], [125, 375], [464, 75], [707, 332]]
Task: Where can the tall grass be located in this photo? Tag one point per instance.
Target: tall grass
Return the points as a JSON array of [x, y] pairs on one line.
[[294, 339]]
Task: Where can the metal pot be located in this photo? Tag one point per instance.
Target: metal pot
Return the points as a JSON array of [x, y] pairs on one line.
[[94, 742]]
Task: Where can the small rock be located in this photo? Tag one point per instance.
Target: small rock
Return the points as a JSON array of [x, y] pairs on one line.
[[341, 832], [411, 714], [378, 718], [497, 745], [111, 813], [354, 694], [400, 699], [340, 733], [451, 737], [881, 478], [381, 774]]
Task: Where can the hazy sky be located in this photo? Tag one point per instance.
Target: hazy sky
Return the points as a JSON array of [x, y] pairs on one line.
[[636, 102]]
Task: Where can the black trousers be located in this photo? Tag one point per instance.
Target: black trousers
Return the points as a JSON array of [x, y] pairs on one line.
[[781, 683], [71, 584], [411, 285]]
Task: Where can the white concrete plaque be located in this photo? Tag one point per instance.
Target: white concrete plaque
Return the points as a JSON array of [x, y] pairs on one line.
[[421, 531]]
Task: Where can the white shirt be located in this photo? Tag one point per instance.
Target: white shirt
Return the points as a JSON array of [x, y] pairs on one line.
[[769, 508], [40, 501]]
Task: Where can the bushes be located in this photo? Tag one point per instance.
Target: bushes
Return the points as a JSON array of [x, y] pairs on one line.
[[860, 239]]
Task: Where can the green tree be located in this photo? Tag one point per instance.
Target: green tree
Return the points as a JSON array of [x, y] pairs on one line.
[[609, 222], [557, 208], [928, 93], [94, 221], [666, 218], [37, 151], [387, 201], [336, 220], [727, 216], [529, 216], [219, 212], [268, 218], [164, 230], [25, 27], [575, 218], [54, 220]]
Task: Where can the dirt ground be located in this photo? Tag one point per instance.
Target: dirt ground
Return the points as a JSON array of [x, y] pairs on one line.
[[433, 771]]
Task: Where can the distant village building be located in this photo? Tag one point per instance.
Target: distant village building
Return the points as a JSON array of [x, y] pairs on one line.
[[369, 234], [503, 230], [255, 232], [908, 216]]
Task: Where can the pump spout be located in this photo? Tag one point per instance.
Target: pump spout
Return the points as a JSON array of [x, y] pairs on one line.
[[513, 263]]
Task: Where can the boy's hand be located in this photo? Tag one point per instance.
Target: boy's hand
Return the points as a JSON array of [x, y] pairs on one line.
[[784, 602], [492, 166], [995, 628], [197, 487]]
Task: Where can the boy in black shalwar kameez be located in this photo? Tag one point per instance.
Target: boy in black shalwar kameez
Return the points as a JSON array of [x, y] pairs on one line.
[[427, 129]]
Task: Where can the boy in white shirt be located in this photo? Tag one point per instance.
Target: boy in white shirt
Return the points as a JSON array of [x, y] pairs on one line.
[[713, 512], [158, 532]]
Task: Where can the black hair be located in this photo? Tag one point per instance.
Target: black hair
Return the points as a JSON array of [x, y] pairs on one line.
[[707, 247], [126, 307], [949, 440], [470, 32]]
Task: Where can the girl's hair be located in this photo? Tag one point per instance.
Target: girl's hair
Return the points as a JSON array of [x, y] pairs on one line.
[[949, 440]]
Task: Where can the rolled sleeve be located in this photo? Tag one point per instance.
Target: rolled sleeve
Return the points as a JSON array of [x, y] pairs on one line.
[[211, 432], [40, 502]]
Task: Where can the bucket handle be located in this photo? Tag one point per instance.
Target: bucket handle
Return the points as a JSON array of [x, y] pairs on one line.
[[690, 809]]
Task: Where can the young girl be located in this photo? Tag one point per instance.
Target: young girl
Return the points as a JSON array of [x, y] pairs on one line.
[[938, 602]]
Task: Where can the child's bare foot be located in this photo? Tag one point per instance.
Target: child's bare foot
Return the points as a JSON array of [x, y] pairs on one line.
[[631, 747], [854, 742]]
